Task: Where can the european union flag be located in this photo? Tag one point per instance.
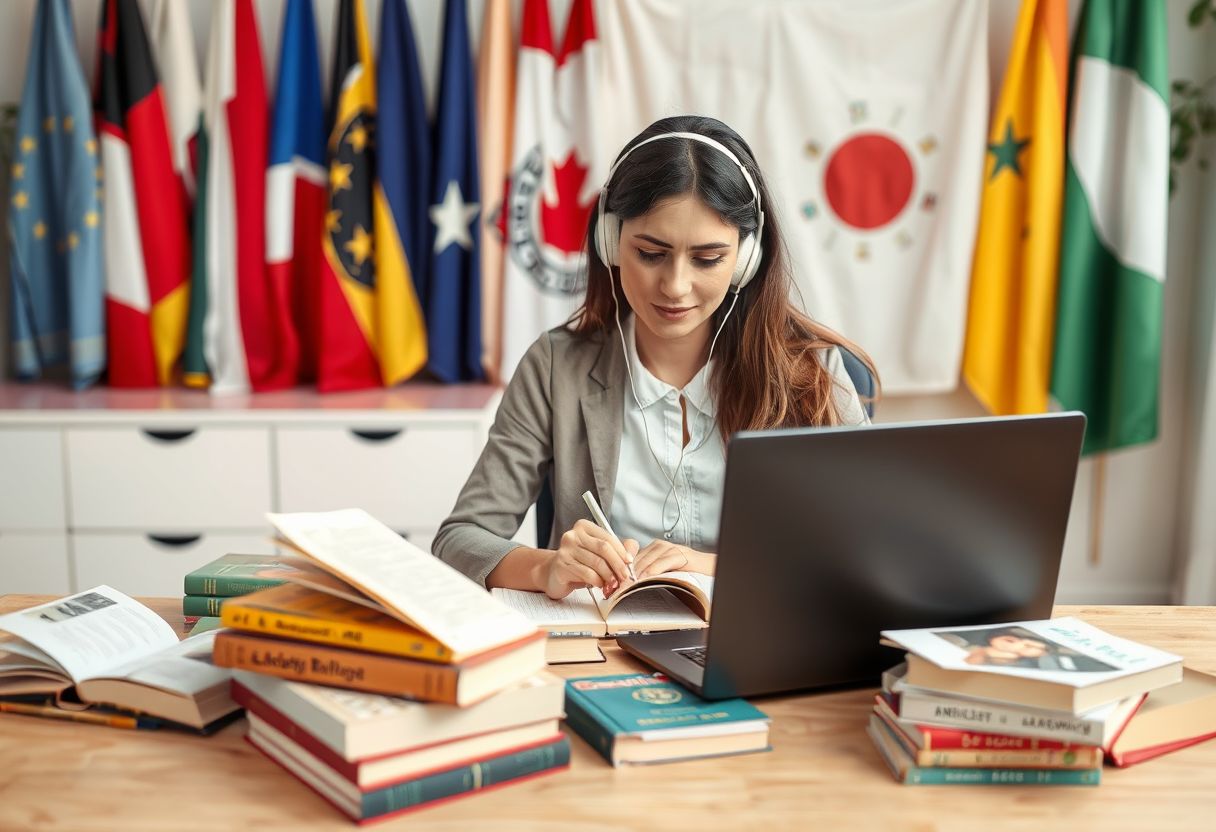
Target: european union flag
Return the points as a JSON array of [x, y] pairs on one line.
[[453, 296], [54, 213]]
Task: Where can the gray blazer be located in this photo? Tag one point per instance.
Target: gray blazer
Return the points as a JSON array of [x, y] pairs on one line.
[[562, 411]]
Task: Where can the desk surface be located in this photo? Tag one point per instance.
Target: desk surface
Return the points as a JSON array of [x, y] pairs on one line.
[[822, 773]]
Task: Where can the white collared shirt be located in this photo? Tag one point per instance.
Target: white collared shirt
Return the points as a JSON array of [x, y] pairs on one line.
[[643, 504]]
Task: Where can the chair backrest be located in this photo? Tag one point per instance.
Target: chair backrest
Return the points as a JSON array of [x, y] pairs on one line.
[[859, 374]]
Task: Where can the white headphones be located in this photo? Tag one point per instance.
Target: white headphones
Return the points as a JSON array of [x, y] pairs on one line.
[[608, 224]]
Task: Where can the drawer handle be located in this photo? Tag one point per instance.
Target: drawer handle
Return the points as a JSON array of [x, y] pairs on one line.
[[377, 435], [175, 540], [176, 435]]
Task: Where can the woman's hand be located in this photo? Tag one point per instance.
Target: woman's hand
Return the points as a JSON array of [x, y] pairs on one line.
[[586, 556], [663, 556]]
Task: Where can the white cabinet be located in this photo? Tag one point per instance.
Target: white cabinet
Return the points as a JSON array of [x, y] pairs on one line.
[[169, 478], [136, 488], [31, 479], [154, 564], [35, 562]]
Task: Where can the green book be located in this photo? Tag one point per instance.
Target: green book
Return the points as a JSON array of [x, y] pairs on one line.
[[232, 575], [639, 718], [205, 623], [202, 605]]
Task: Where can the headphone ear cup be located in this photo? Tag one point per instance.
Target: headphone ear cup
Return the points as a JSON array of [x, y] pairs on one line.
[[608, 238], [748, 262]]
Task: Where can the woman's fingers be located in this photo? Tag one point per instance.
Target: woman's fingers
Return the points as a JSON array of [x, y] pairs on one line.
[[599, 543]]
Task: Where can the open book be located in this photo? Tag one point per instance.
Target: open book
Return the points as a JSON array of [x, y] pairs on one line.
[[670, 601], [366, 562], [100, 647]]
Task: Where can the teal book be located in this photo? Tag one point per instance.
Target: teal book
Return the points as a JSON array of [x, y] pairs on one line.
[[906, 771], [202, 605], [233, 575], [638, 719]]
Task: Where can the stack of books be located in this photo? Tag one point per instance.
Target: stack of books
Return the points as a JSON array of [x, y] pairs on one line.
[[207, 587], [384, 679], [1032, 702]]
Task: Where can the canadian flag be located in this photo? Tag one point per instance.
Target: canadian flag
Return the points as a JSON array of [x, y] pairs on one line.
[[555, 176]]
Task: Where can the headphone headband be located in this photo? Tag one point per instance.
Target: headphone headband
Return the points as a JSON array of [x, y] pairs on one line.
[[608, 226]]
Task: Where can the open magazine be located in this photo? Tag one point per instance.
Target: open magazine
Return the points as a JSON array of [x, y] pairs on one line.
[[669, 601], [100, 647]]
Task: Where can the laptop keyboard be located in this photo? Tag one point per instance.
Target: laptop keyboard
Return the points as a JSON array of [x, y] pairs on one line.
[[693, 654]]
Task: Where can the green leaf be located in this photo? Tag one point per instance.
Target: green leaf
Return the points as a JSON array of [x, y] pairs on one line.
[[1195, 16]]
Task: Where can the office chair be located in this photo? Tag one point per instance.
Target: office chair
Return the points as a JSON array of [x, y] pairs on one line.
[[859, 374]]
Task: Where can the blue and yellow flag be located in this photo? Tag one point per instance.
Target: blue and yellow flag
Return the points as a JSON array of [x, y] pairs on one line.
[[1011, 318], [54, 213]]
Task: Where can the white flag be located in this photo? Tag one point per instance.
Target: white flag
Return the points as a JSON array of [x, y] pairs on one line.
[[556, 174], [173, 45], [868, 120]]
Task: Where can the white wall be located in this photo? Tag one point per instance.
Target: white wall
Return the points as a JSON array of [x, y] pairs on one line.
[[1138, 515]]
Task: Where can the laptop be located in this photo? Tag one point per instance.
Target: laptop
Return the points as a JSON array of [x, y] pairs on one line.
[[829, 535]]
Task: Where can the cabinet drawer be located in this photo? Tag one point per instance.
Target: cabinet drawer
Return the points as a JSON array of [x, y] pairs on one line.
[[31, 479], [169, 478], [155, 565], [34, 562], [406, 476]]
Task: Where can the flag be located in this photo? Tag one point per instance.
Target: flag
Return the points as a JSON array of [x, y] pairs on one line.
[[173, 46], [295, 190], [1107, 359], [237, 323], [1011, 315], [348, 354], [54, 213], [454, 290], [556, 171], [495, 120], [869, 128], [147, 247], [399, 207]]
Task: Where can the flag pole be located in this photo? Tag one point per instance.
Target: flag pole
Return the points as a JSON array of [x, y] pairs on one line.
[[1095, 511]]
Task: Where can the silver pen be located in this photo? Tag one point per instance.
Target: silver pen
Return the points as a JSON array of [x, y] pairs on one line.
[[598, 514]]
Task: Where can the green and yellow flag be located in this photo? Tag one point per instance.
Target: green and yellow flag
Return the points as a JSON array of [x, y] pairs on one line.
[[1011, 315]]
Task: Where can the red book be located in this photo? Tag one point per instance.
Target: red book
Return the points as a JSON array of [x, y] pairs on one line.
[[936, 738]]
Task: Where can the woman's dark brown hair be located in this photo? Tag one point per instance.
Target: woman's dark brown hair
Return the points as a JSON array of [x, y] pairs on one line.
[[766, 373]]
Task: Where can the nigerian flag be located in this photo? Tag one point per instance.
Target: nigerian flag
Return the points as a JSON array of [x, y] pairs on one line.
[[1112, 255]]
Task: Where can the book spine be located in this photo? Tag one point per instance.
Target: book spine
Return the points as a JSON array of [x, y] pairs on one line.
[[593, 732], [465, 779], [226, 586], [947, 739], [302, 662], [1004, 776], [202, 605], [341, 634], [998, 719], [1082, 758]]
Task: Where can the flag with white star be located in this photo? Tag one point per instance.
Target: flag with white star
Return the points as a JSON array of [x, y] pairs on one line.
[[147, 241], [54, 212], [453, 296], [1012, 306]]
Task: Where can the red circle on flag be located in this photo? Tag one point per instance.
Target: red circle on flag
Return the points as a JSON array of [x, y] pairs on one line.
[[868, 180]]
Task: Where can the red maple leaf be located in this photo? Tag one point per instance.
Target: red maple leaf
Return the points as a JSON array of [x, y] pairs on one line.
[[564, 224]]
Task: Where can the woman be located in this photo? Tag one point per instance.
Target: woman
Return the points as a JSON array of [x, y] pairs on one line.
[[635, 398]]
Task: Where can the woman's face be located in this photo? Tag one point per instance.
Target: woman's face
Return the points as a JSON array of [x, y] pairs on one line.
[[676, 262]]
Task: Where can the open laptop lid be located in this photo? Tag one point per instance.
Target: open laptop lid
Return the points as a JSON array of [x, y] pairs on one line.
[[829, 535]]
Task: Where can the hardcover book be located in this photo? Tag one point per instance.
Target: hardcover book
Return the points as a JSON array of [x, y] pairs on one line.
[[302, 613], [670, 601], [462, 683], [100, 647], [236, 574], [640, 718], [1170, 719], [361, 726], [394, 799], [905, 770], [927, 737], [1061, 664]]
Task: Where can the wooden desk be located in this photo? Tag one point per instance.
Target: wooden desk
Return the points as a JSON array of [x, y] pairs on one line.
[[822, 773]]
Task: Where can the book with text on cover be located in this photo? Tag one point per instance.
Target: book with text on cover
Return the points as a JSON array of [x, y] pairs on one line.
[[669, 601], [102, 647], [1061, 664], [641, 718], [236, 574], [375, 563]]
